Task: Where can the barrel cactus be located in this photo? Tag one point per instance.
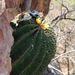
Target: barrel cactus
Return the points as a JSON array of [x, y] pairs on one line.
[[33, 48]]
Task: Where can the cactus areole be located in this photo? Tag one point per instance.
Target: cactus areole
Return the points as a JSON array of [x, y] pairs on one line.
[[33, 49]]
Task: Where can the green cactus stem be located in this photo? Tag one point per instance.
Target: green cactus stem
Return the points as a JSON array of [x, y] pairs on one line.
[[33, 48]]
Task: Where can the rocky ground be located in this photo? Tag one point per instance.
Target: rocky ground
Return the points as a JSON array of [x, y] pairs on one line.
[[8, 10]]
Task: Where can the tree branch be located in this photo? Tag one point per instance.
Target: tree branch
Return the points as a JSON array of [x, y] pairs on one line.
[[63, 16]]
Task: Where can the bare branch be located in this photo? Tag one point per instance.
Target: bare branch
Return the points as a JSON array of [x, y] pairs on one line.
[[63, 16], [70, 58], [55, 19], [65, 7], [50, 66], [70, 19], [63, 54]]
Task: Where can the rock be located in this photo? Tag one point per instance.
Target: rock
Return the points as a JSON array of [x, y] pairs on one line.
[[10, 13], [13, 3], [18, 3], [6, 41], [2, 6], [10, 3]]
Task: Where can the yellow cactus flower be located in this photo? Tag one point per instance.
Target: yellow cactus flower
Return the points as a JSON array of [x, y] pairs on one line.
[[38, 20], [46, 26]]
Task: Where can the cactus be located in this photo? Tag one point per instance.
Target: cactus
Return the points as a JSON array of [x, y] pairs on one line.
[[33, 48]]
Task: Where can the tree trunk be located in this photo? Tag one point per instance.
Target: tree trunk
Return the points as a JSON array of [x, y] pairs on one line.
[[37, 5], [26, 5]]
